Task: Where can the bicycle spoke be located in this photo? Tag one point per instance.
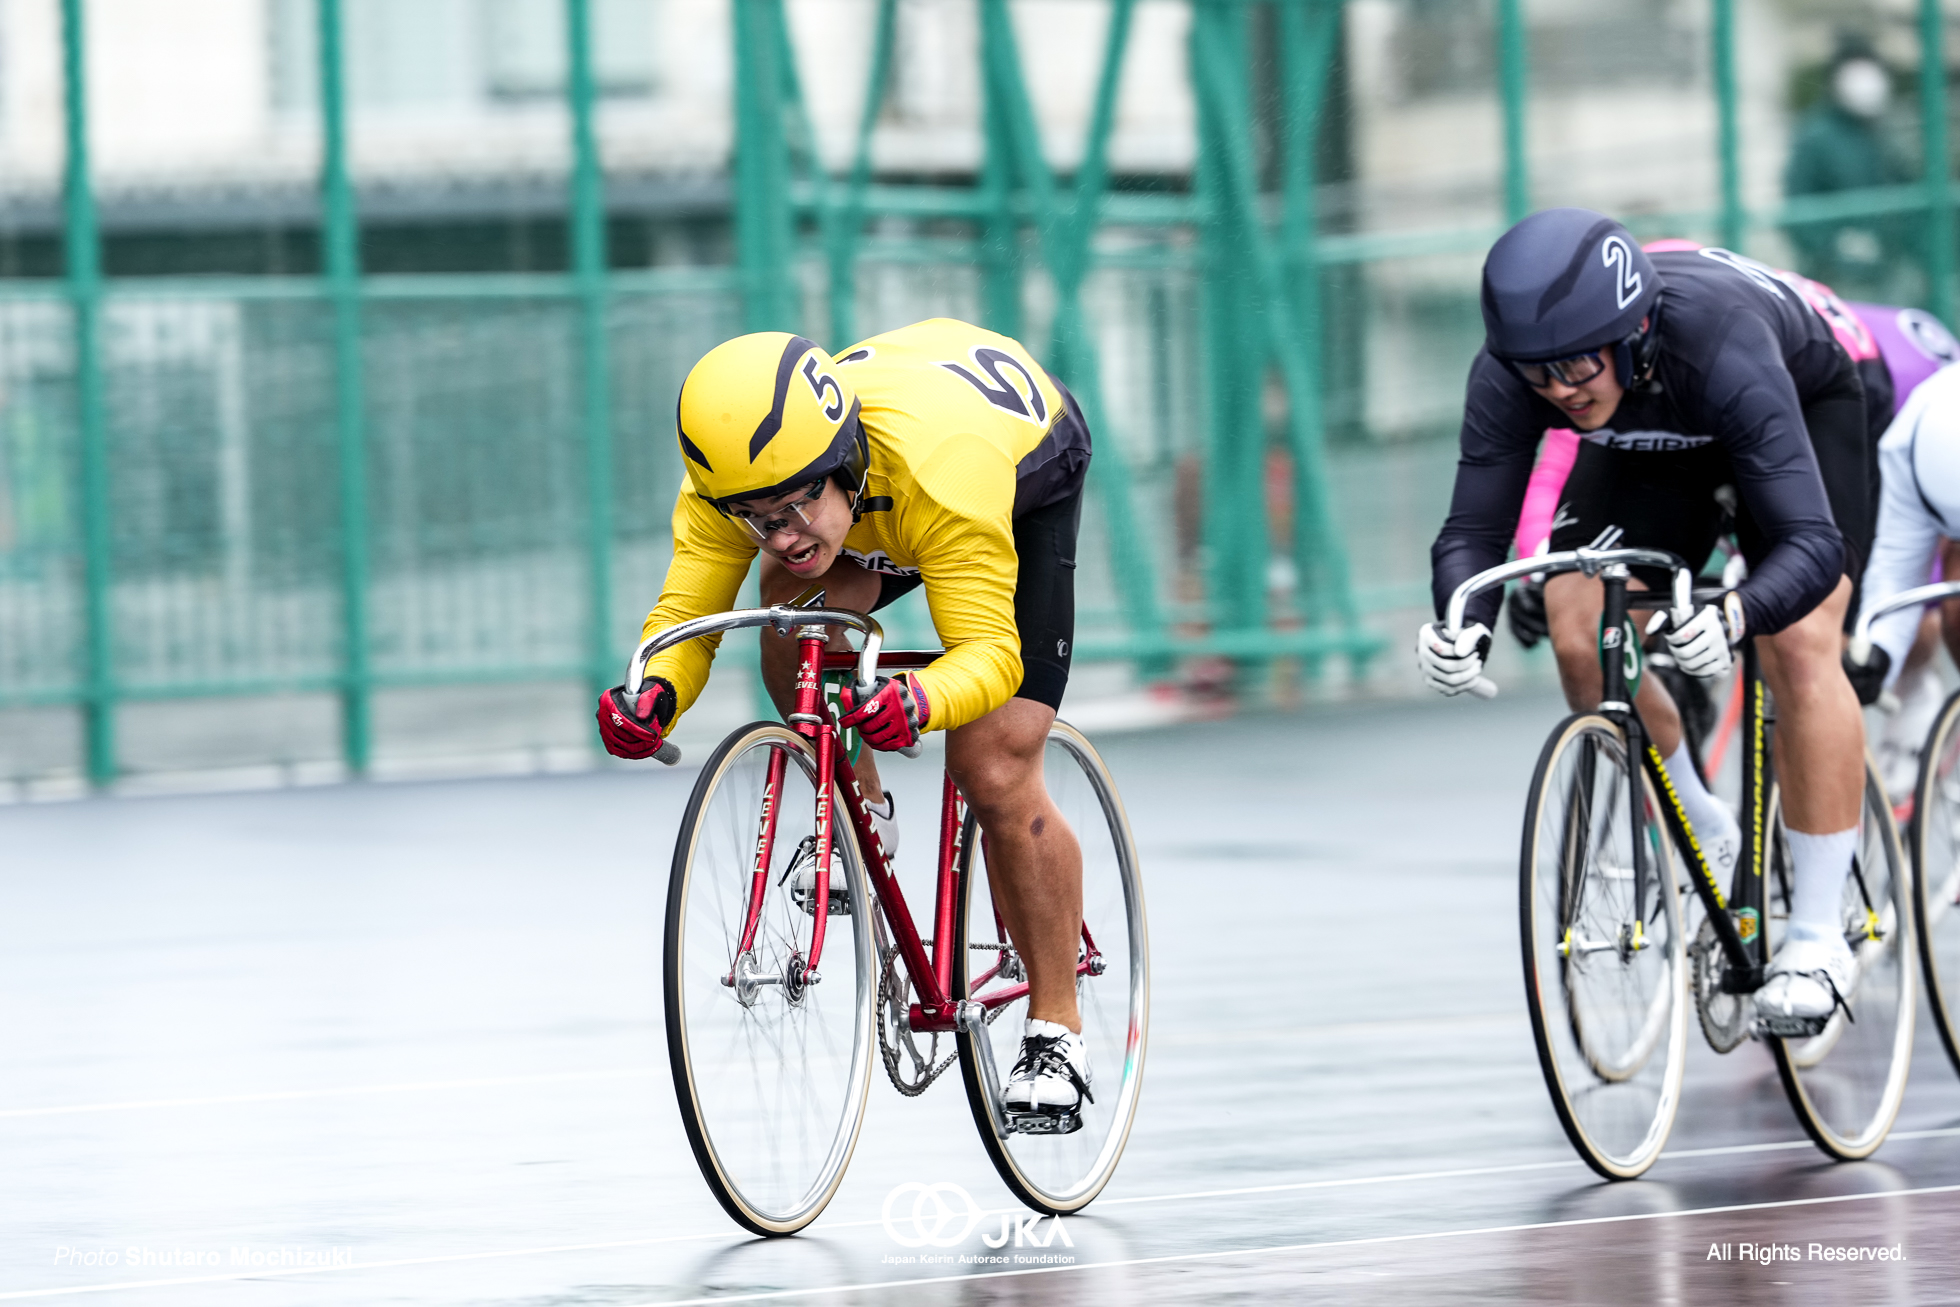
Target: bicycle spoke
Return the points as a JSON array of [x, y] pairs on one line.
[[1608, 1006], [771, 1080], [1064, 1171], [1936, 859], [1846, 1082]]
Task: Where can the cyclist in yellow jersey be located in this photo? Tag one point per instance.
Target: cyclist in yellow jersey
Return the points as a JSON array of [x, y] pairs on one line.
[[939, 454]]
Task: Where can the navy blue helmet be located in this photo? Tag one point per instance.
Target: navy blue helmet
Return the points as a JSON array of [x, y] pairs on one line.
[[1565, 282]]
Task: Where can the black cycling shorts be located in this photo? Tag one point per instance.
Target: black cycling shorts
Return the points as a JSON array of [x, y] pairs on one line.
[[1044, 597], [1683, 501]]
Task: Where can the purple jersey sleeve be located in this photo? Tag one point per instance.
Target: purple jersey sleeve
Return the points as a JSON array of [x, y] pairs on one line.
[[1913, 343]]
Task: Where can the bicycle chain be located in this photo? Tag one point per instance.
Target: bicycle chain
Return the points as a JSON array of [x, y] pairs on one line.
[[890, 997], [1724, 1017]]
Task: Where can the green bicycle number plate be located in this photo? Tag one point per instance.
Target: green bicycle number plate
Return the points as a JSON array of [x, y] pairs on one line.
[[1624, 642], [847, 738]]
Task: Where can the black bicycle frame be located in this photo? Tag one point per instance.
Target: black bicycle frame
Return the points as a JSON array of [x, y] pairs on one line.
[[1737, 911]]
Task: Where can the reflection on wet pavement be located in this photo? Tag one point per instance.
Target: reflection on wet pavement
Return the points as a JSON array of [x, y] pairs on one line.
[[402, 1044]]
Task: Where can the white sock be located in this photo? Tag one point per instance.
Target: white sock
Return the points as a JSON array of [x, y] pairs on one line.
[[1711, 820], [1045, 1029], [891, 807], [1819, 864]]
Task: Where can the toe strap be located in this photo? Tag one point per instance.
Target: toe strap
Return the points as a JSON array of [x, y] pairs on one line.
[[1823, 978]]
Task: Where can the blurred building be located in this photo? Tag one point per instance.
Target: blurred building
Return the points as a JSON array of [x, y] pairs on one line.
[[205, 127], [221, 520]]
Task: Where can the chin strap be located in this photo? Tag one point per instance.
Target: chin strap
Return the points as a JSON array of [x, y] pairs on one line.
[[1645, 350], [862, 503]]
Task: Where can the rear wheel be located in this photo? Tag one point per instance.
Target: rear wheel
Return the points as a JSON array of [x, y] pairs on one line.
[[770, 1064], [1936, 872], [1058, 1173], [1604, 965], [1846, 1082]]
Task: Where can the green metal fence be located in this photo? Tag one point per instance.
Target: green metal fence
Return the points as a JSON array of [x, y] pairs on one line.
[[222, 486]]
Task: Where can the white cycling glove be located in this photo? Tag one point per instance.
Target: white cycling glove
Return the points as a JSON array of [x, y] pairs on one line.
[[1452, 668], [1701, 647]]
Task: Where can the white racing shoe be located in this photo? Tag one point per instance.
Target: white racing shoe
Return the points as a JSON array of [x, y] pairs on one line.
[[1809, 979], [802, 878], [1050, 1082], [803, 868]]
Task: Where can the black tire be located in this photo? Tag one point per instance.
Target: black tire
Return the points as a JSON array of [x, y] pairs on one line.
[[1604, 977], [1061, 1173], [1935, 840], [771, 1078], [1847, 1082]]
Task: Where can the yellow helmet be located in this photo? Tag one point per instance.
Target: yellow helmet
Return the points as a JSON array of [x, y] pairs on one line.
[[764, 414]]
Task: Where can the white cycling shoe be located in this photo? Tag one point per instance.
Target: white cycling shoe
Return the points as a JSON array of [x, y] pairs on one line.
[[803, 880], [1809, 979], [1050, 1082], [803, 887]]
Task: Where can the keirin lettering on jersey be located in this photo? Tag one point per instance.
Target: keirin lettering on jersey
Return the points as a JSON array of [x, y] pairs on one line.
[[1644, 442]]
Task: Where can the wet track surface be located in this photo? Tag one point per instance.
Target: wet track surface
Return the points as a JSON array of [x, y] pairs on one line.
[[413, 1031]]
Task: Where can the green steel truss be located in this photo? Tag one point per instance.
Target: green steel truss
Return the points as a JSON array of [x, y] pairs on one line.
[[1260, 285], [391, 557]]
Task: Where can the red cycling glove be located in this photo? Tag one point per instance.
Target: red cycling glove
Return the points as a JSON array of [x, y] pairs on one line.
[[635, 730], [892, 716]]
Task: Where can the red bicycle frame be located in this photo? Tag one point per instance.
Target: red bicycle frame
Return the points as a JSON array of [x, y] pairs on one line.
[[931, 972]]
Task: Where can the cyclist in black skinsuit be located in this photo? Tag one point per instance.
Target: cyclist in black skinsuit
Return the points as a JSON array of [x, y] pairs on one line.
[[1701, 385]]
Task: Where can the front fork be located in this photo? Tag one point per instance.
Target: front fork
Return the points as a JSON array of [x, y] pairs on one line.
[[810, 721], [1620, 668]]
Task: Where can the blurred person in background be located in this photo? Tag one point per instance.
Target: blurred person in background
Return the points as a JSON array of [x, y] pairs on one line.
[[1918, 519], [942, 455], [1840, 144]]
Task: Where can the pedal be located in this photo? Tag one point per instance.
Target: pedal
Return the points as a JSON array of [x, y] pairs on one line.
[[801, 877], [1044, 1123], [803, 889], [1790, 1027]]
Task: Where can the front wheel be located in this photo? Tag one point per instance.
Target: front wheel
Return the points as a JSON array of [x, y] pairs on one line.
[[1058, 1173], [1936, 872], [771, 1064], [1847, 1081], [1604, 950]]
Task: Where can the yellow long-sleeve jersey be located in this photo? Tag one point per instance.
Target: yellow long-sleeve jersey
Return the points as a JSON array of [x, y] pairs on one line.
[[966, 433]]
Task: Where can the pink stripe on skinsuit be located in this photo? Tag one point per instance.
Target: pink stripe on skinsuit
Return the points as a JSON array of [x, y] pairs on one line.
[[1555, 458]]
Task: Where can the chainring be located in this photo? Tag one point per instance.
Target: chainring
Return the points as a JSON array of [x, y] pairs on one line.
[[1725, 1018], [912, 1071], [897, 1044]]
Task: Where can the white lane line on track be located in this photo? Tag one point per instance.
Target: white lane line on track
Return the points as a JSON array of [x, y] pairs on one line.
[[1400, 1027], [1470, 1172], [1298, 1247], [283, 1272], [1350, 1181], [349, 1091], [1291, 1033]]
